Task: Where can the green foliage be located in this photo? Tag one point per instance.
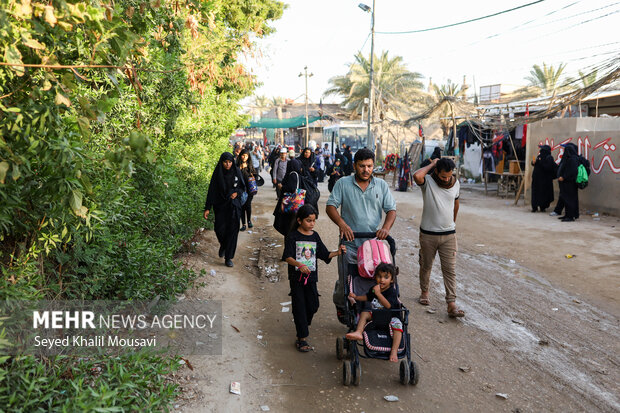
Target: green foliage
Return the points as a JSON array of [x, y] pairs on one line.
[[394, 86], [547, 78], [588, 79], [131, 382], [443, 99], [104, 170]]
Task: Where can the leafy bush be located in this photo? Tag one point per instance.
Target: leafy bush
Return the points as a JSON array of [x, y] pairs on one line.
[[104, 170], [132, 382]]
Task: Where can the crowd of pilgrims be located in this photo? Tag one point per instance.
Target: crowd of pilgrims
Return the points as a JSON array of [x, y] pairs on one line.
[[236, 179]]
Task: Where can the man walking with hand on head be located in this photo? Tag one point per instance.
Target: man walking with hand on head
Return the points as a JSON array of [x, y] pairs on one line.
[[440, 193]]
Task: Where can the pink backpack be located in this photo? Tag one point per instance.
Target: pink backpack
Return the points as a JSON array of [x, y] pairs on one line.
[[372, 253]]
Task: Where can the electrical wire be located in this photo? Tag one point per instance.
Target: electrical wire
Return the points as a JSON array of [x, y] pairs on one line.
[[522, 27], [537, 38], [525, 26], [465, 21]]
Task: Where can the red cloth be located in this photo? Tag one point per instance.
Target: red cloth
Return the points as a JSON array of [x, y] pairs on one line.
[[527, 115]]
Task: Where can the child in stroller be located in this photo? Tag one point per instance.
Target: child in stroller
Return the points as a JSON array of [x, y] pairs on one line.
[[376, 331], [380, 296]]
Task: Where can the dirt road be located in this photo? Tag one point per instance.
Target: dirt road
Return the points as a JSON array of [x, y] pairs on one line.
[[539, 327]]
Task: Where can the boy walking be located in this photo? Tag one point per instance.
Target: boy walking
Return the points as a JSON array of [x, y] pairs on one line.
[[440, 193]]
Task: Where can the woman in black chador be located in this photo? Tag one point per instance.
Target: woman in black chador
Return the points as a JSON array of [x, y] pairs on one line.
[[224, 196], [307, 157], [545, 171], [567, 179], [284, 221], [348, 167]]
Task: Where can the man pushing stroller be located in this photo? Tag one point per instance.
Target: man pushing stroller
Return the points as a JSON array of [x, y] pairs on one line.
[[362, 200]]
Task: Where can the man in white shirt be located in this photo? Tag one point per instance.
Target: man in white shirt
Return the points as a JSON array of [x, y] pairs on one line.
[[327, 155], [440, 193], [257, 157]]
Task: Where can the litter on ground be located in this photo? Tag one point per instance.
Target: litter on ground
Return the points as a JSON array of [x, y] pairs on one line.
[[235, 387]]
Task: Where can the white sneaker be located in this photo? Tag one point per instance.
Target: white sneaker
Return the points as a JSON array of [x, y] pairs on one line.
[[554, 214]]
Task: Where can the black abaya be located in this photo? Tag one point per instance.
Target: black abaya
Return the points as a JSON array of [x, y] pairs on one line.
[[542, 179], [283, 222], [568, 186], [348, 168], [227, 211]]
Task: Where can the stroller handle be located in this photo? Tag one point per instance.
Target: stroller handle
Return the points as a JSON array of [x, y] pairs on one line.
[[370, 235]]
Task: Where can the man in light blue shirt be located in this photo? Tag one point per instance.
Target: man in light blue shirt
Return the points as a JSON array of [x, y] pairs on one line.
[[362, 200]]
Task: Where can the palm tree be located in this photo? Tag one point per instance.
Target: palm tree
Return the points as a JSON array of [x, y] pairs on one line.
[[547, 78], [444, 98], [393, 84], [261, 104], [278, 102], [587, 78]]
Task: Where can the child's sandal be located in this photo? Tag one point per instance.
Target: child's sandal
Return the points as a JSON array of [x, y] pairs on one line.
[[303, 346]]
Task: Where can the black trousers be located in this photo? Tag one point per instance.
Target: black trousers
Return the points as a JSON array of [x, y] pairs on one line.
[[247, 209], [226, 228], [305, 300], [569, 199]]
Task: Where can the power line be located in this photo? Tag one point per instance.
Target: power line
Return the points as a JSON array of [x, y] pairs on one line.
[[521, 27], [465, 21], [575, 25]]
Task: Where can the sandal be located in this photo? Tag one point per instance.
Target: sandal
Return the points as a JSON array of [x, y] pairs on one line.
[[424, 301], [303, 346], [456, 313]]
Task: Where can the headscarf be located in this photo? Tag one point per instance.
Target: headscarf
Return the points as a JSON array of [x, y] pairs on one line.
[[568, 164], [223, 182], [306, 162], [545, 150], [570, 150], [289, 183]]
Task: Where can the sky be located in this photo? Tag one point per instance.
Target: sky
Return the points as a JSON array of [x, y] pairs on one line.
[[324, 35]]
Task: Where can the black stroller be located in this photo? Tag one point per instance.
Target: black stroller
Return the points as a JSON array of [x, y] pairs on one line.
[[377, 342]]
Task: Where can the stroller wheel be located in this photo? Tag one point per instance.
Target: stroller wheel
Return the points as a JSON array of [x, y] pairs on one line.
[[404, 372], [414, 372], [357, 373], [339, 348], [346, 373]]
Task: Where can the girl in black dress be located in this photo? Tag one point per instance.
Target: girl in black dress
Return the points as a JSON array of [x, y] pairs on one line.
[[244, 162]]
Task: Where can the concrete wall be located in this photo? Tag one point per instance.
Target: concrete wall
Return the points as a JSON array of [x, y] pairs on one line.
[[598, 140]]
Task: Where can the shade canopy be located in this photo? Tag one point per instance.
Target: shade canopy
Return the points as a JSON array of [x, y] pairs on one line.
[[271, 123]]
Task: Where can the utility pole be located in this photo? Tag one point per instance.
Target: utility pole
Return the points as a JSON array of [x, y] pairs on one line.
[[370, 143], [307, 126]]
